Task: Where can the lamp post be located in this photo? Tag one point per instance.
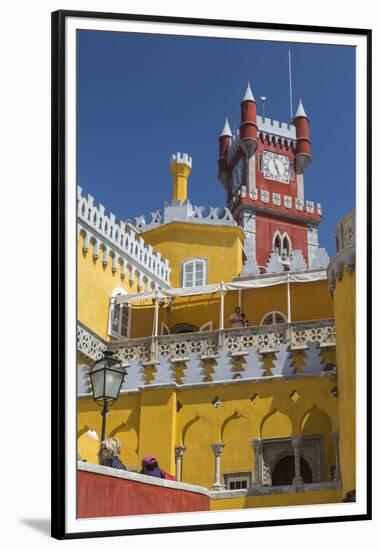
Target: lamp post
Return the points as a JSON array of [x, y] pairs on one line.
[[106, 377]]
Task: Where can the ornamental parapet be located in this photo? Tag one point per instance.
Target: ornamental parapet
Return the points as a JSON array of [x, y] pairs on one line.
[[345, 258], [120, 245], [186, 212], [160, 355]]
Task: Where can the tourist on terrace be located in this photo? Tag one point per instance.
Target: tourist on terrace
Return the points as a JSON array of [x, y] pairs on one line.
[[109, 454], [235, 319], [150, 467]]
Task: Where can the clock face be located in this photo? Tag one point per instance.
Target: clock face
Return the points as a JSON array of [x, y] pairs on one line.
[[237, 176], [276, 167]]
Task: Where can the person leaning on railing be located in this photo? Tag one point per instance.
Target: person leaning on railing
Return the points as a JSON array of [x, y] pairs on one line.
[[235, 319], [109, 454]]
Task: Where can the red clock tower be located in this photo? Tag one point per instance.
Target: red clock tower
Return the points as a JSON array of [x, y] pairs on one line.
[[262, 169]]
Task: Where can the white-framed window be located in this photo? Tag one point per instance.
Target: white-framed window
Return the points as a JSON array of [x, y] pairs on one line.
[[120, 317], [194, 272], [282, 245], [273, 318], [237, 480]]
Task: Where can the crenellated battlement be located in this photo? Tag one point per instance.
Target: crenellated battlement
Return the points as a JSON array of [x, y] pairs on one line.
[[276, 128], [181, 158], [123, 245]]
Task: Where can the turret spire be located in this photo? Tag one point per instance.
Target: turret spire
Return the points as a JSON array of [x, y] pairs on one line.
[[248, 94], [300, 111], [226, 130]]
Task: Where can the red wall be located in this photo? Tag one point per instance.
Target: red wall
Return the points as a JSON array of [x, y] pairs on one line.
[[101, 495], [266, 226]]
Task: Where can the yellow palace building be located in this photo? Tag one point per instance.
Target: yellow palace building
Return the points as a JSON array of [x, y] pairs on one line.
[[259, 409]]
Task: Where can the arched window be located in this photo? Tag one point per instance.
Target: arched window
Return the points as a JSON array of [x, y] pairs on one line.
[[273, 318], [286, 248], [194, 272], [120, 316], [277, 245]]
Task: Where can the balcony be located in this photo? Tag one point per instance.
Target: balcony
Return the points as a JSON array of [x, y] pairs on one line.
[[208, 344]]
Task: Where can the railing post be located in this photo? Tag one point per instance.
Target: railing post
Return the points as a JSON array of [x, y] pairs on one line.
[[217, 450]]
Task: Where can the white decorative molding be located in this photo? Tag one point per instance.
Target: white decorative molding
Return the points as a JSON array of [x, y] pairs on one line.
[[181, 158], [135, 376], [310, 207], [193, 348], [284, 364], [287, 201], [83, 380], [265, 196], [345, 258], [277, 200], [253, 365], [274, 264], [89, 345], [321, 259], [194, 372], [224, 369], [312, 244], [186, 212], [313, 362], [123, 244], [248, 223], [274, 128], [297, 262]]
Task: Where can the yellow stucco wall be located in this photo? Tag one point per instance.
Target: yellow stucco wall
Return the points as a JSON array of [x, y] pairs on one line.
[[221, 246], [309, 301], [95, 284], [154, 421], [283, 499], [345, 315]]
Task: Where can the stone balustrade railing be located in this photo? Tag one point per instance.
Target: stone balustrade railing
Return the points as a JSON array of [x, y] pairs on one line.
[[237, 341]]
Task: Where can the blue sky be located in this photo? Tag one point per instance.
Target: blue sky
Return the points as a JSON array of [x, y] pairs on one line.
[[143, 97]]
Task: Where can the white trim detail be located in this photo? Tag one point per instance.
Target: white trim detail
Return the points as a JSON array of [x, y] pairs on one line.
[[120, 315], [192, 275], [273, 313], [125, 244]]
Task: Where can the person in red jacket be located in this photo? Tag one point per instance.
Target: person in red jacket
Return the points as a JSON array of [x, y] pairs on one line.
[[150, 467]]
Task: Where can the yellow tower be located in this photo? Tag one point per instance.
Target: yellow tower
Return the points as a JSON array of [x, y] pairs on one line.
[[181, 167]]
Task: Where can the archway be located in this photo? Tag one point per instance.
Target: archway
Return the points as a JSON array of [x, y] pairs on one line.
[[284, 471]]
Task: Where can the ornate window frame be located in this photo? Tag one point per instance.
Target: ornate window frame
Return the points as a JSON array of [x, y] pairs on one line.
[[311, 449]]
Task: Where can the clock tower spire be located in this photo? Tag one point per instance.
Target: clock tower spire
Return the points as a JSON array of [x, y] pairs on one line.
[[262, 171]]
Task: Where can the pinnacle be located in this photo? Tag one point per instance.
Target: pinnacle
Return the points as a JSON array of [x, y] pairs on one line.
[[300, 111], [226, 130], [248, 94]]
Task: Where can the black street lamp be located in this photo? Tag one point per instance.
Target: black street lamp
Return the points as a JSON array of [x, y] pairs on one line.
[[106, 377]]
